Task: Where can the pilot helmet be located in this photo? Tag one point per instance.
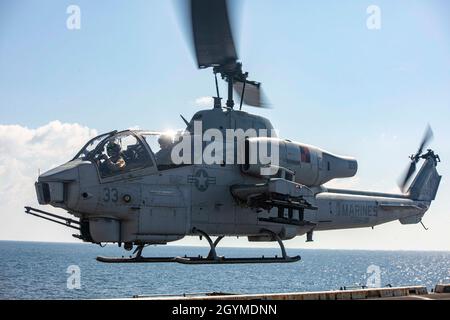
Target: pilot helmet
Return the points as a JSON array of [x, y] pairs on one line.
[[165, 140], [113, 149]]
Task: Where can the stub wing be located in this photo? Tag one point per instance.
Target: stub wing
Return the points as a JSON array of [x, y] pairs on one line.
[[277, 192]]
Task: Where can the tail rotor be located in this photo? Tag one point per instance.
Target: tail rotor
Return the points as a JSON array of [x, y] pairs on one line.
[[415, 158]]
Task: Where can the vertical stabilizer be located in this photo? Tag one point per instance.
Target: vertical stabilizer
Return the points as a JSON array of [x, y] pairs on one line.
[[426, 183]]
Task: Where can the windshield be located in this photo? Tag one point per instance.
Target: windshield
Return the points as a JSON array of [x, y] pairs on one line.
[[87, 151], [161, 145], [121, 153], [130, 154]]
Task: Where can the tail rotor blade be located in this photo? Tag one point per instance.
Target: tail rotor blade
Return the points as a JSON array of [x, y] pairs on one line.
[[426, 139], [428, 136], [409, 173]]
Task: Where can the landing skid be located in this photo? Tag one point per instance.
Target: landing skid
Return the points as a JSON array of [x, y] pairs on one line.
[[138, 258], [223, 260], [212, 257], [198, 260], [135, 259]]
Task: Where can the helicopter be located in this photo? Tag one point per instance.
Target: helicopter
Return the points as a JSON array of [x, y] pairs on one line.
[[136, 188]]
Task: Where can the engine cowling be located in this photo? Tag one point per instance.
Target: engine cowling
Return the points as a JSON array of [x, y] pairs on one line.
[[310, 165]]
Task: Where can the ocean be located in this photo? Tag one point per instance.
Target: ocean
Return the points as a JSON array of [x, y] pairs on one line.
[[32, 270]]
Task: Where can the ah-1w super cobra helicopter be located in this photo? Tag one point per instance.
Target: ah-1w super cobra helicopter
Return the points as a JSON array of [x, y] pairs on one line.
[[146, 199]]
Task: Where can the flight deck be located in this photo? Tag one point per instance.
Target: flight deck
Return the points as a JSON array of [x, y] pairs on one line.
[[440, 292]]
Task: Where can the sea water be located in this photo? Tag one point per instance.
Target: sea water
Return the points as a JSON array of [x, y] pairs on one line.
[[33, 270]]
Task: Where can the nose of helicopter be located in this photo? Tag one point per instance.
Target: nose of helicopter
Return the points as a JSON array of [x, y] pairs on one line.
[[52, 186]]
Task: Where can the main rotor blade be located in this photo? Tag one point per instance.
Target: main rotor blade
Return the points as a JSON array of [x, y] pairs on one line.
[[212, 35], [253, 94], [426, 139], [409, 172]]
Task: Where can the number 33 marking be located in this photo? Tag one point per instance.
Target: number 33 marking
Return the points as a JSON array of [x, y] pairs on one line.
[[110, 195]]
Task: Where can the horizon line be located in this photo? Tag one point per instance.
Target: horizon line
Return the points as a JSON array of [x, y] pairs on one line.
[[238, 247]]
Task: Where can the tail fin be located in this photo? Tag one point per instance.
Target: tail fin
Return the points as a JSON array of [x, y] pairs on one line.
[[426, 183]]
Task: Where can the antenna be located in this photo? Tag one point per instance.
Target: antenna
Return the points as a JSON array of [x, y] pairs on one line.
[[184, 120], [242, 95], [217, 85]]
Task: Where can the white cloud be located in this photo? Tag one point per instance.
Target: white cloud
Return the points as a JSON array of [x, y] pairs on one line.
[[204, 102], [23, 152]]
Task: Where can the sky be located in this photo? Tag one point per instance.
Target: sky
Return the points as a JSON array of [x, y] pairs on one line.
[[332, 82]]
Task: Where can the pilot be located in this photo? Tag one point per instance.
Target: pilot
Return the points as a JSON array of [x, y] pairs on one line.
[[114, 161], [163, 156]]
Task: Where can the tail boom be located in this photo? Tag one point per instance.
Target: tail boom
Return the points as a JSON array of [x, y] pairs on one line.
[[357, 209]]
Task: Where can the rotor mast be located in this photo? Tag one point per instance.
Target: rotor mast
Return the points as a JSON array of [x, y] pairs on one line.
[[214, 47], [231, 73], [230, 101]]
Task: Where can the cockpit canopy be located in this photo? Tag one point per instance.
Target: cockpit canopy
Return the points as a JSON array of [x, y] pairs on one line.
[[117, 153]]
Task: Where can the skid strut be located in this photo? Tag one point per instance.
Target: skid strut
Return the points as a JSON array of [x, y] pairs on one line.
[[213, 258]]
